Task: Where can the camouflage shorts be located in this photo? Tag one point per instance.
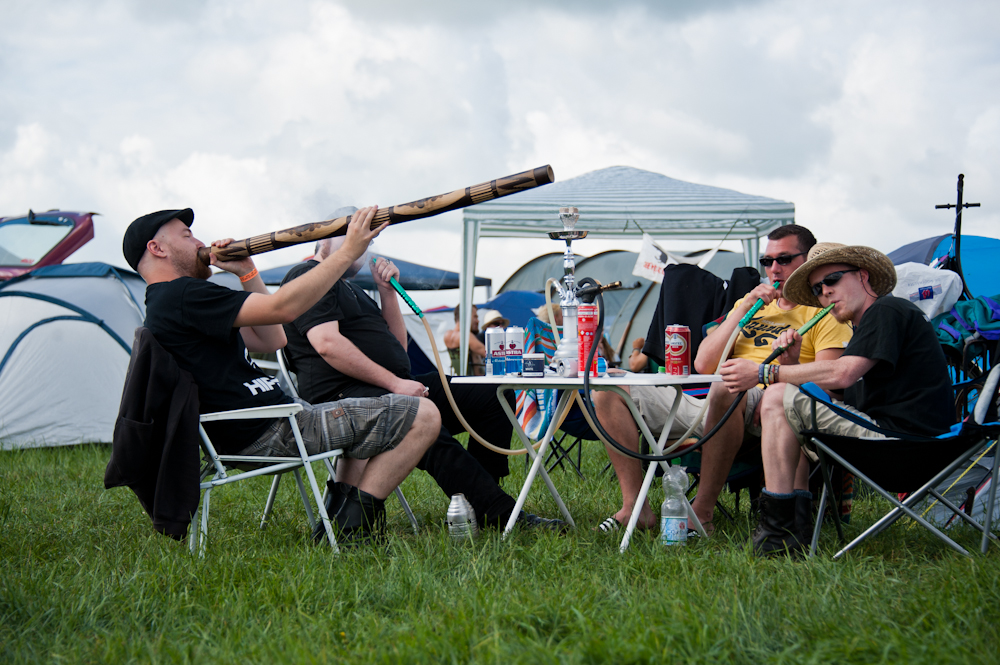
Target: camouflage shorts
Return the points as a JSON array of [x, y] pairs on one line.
[[363, 427]]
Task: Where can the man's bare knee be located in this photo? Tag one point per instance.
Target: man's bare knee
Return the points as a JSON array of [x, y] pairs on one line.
[[428, 420], [773, 399]]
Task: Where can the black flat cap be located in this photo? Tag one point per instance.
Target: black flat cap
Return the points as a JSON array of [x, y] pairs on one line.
[[142, 230]]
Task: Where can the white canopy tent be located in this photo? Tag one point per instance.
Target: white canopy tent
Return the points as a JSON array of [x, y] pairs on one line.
[[621, 202]]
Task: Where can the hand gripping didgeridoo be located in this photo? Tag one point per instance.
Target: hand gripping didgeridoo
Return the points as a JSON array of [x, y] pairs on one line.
[[434, 205]]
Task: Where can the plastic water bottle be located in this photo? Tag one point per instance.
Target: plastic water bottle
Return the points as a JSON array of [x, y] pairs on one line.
[[462, 523], [673, 512]]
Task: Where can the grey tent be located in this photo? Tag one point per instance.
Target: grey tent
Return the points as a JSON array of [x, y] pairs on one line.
[[628, 312], [64, 351], [623, 202]]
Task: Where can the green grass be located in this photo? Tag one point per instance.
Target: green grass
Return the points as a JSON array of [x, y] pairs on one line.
[[83, 578]]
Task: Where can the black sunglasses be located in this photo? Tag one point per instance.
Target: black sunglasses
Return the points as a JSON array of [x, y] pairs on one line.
[[766, 261], [829, 280]]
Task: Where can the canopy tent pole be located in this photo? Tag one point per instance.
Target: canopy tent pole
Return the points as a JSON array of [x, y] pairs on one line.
[[467, 281], [751, 250]]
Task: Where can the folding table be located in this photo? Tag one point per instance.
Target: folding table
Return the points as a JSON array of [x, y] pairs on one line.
[[569, 388]]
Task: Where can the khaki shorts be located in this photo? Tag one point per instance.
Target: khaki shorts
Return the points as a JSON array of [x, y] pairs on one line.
[[363, 427], [798, 412], [654, 404]]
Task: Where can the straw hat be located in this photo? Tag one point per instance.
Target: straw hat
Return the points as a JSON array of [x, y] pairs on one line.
[[881, 272]]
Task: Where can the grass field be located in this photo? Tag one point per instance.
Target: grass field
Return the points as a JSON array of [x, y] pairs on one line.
[[85, 579]]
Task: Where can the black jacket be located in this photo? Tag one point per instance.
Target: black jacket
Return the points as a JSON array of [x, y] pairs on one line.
[[692, 297], [155, 448]]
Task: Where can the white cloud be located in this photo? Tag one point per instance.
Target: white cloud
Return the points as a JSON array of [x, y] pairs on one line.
[[264, 115]]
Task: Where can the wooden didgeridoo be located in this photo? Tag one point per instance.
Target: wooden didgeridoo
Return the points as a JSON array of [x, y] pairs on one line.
[[434, 205]]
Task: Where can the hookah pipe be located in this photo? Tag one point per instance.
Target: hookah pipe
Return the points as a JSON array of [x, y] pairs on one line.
[[729, 412], [444, 377]]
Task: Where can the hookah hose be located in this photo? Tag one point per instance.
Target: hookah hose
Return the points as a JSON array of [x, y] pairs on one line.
[[729, 412], [444, 377]]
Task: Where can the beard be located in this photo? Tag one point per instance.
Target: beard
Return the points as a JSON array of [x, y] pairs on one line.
[[188, 264]]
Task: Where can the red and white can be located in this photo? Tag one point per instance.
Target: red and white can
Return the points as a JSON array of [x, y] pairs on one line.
[[586, 325], [677, 350]]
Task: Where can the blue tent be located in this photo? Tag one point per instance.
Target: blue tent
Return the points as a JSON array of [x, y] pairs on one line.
[[412, 277], [516, 305], [980, 256]]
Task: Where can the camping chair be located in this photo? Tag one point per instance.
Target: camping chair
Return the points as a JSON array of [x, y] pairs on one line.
[[905, 463], [290, 385], [214, 472]]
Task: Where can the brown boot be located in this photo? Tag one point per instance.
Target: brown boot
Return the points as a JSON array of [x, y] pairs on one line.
[[775, 533]]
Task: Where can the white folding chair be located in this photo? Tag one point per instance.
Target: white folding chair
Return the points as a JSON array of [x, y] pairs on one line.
[[290, 385], [214, 474]]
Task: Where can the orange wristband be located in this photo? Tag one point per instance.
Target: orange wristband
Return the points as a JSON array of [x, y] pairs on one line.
[[250, 275]]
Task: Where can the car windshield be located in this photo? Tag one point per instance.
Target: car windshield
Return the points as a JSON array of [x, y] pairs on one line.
[[24, 241]]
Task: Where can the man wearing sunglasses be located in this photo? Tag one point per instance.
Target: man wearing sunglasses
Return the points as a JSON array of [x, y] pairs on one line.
[[786, 250], [893, 373]]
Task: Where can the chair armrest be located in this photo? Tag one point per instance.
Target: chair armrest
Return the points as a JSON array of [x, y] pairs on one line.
[[816, 393], [272, 411]]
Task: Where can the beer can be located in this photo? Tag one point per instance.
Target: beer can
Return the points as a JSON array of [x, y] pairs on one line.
[[586, 326], [677, 350], [515, 349], [496, 351]]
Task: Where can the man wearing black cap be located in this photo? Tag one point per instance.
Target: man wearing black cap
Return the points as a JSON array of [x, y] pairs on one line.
[[208, 329], [893, 373]]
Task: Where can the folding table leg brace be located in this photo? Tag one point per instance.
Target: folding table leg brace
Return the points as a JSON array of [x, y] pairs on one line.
[[657, 447], [538, 458]]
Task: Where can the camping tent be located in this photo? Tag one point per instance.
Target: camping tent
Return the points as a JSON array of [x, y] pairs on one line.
[[628, 312], [412, 277], [979, 259], [624, 202], [65, 343]]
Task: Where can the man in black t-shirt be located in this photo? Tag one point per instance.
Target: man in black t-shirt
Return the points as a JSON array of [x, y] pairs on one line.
[[346, 346], [209, 329], [893, 373]]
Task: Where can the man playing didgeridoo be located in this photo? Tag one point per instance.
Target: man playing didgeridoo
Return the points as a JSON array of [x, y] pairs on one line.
[[346, 346], [209, 329], [786, 250], [893, 373]]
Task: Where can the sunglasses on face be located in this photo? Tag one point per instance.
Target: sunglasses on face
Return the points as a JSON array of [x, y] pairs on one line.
[[784, 260], [829, 280]]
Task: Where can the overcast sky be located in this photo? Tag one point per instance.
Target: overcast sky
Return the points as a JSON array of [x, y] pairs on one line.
[[262, 115]]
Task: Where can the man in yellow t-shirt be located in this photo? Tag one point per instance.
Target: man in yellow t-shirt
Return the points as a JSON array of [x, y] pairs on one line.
[[786, 250]]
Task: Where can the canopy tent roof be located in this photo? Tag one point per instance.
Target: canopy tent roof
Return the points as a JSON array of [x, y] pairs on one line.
[[623, 202]]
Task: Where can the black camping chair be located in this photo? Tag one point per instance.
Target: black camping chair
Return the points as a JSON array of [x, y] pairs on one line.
[[906, 463]]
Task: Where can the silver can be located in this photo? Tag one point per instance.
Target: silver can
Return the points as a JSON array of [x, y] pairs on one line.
[[462, 523], [515, 349], [496, 352]]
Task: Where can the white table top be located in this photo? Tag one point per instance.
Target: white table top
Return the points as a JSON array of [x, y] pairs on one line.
[[553, 381]]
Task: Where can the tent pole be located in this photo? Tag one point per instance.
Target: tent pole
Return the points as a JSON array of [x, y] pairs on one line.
[[751, 250], [467, 283]]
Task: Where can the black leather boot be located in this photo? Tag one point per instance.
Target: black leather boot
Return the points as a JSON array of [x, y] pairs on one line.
[[776, 533], [335, 493], [804, 519], [361, 518]]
